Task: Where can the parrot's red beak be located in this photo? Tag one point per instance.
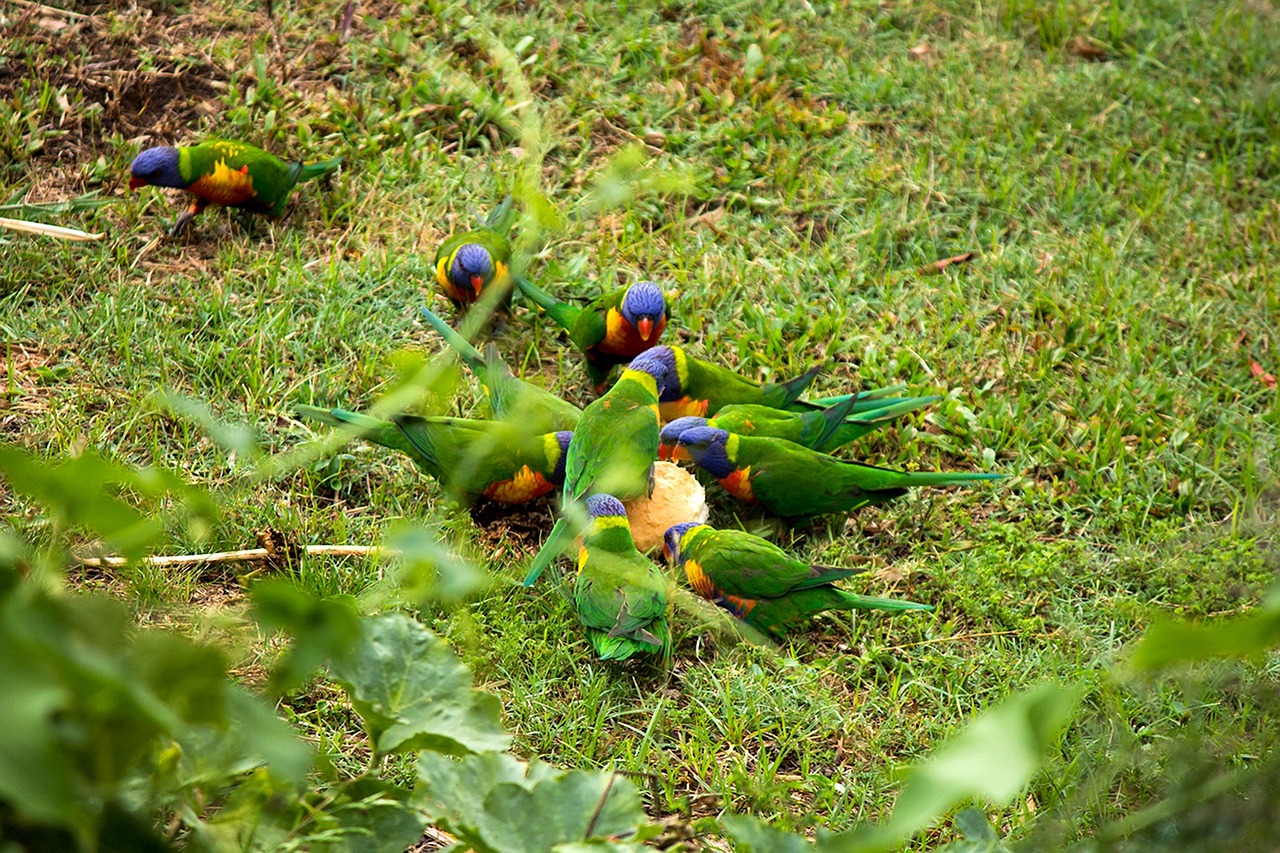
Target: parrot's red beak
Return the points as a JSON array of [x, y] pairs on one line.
[[666, 552], [134, 183], [646, 328], [664, 451], [477, 282]]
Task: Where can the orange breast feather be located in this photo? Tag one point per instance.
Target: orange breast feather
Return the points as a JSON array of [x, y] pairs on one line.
[[225, 185]]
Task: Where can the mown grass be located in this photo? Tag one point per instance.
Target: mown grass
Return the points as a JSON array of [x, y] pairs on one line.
[[1114, 166]]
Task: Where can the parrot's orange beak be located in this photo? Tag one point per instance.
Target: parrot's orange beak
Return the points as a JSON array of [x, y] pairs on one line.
[[477, 282], [134, 183], [678, 454], [666, 552], [646, 328]]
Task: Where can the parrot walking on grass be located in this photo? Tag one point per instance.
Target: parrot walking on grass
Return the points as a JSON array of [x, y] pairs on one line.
[[224, 172], [613, 450], [470, 459], [758, 582], [619, 594], [611, 329], [511, 399], [823, 430], [472, 262], [697, 387], [797, 483]]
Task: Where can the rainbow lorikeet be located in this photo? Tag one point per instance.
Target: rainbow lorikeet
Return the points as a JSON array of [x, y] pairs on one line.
[[611, 329], [619, 594], [472, 262], [697, 387], [613, 450], [823, 430], [225, 172], [760, 583], [511, 399], [797, 483], [470, 459]]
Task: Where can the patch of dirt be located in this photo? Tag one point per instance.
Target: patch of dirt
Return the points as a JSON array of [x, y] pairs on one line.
[[513, 532], [134, 68]]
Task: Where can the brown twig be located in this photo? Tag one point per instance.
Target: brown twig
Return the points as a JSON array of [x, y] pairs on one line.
[[247, 555]]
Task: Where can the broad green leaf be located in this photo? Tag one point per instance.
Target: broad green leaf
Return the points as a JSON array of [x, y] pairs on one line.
[[371, 816], [576, 806], [414, 693], [84, 491], [452, 791], [752, 835], [190, 678], [979, 835], [994, 756], [495, 802], [36, 774], [323, 629], [427, 571], [1169, 641]]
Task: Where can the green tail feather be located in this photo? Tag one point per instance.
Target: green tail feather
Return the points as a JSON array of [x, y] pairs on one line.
[[310, 171], [460, 345], [833, 418], [557, 540], [793, 388], [826, 575], [777, 615], [389, 434], [943, 478], [563, 313], [858, 425]]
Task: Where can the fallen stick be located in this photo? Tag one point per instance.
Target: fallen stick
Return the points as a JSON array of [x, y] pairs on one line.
[[56, 231], [248, 555]]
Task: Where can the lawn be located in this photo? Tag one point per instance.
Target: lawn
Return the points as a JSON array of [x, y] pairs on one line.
[[1103, 177]]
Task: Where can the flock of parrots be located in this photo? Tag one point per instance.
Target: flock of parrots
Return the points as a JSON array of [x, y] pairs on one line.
[[762, 443]]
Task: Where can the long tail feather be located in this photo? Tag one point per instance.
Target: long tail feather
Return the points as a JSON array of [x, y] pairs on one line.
[[853, 601], [833, 418], [795, 387], [311, 171], [552, 548], [460, 345], [563, 313], [353, 421]]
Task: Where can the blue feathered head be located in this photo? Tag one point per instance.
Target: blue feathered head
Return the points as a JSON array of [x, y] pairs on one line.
[[671, 540], [601, 506], [472, 268], [156, 167], [660, 363], [645, 308], [706, 446]]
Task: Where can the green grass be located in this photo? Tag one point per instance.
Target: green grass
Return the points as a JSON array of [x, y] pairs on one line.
[[1096, 351]]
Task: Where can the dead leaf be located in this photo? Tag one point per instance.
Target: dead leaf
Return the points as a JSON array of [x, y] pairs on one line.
[[923, 52], [1262, 375], [53, 25], [939, 266], [1240, 338], [711, 219], [1086, 48], [1045, 260]]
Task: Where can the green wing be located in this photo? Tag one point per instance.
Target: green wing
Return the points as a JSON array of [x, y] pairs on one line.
[[272, 177], [750, 567], [621, 600], [615, 443]]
